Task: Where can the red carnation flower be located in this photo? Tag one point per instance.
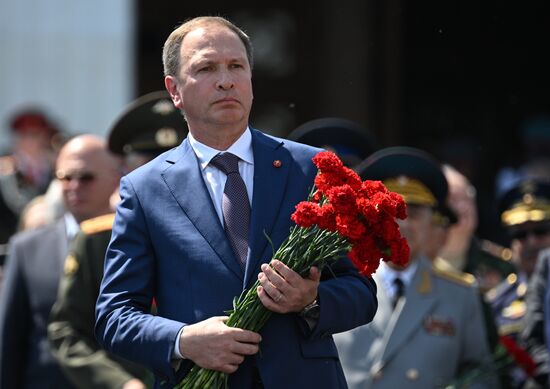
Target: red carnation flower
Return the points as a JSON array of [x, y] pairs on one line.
[[306, 214]]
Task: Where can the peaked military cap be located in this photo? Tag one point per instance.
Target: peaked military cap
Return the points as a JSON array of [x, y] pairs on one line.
[[349, 140], [412, 173], [527, 201], [150, 124]]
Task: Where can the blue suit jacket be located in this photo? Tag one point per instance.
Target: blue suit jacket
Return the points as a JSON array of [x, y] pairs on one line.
[[168, 244]]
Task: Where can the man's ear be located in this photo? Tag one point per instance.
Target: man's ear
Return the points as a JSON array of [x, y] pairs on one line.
[[171, 85]]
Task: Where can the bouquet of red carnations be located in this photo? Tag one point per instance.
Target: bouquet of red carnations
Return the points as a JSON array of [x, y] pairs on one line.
[[343, 215]]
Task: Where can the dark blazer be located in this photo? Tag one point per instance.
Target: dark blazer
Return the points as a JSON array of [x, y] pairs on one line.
[[168, 244], [29, 289]]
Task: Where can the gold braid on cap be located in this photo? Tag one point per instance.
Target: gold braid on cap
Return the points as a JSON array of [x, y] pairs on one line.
[[413, 191], [530, 209]]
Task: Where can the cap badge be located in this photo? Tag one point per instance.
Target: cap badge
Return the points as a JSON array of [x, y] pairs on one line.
[[163, 107], [166, 137], [402, 180], [528, 198]]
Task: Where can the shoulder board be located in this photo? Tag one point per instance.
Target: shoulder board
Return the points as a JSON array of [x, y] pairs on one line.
[[455, 276], [442, 264], [501, 288], [98, 224], [496, 250], [7, 165]]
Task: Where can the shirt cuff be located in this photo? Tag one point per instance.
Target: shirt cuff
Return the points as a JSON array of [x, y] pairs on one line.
[[177, 353]]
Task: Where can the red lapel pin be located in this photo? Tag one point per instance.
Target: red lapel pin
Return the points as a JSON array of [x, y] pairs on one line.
[[277, 163]]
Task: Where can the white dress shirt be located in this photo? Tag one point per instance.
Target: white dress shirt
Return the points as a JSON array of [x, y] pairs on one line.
[[71, 226], [215, 181], [215, 178], [388, 276]]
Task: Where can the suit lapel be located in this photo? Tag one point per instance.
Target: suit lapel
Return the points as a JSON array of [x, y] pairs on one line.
[[270, 180], [385, 310], [420, 299], [184, 179], [382, 325]]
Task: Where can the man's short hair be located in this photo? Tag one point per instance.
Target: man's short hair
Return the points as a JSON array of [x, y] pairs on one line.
[[172, 46]]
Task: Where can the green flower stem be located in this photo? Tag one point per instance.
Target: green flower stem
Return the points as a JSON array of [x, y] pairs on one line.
[[304, 248], [501, 361]]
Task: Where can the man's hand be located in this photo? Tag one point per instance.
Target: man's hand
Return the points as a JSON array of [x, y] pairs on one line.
[[213, 345], [282, 290]]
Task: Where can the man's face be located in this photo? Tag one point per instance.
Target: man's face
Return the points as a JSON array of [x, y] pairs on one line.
[[88, 178], [416, 228], [438, 236], [33, 142], [528, 239], [214, 86]]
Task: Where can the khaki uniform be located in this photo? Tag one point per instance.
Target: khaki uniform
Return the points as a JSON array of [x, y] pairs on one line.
[[71, 327], [425, 342]]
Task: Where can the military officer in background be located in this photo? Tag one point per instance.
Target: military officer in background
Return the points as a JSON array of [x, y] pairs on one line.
[[149, 126], [346, 138], [518, 302], [429, 325], [536, 329], [487, 261], [28, 170]]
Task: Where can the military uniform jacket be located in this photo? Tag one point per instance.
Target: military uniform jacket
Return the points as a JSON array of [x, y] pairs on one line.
[[71, 327], [536, 325], [433, 334], [507, 300]]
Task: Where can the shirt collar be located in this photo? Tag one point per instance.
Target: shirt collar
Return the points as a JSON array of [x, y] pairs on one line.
[[71, 226], [242, 148], [388, 274]]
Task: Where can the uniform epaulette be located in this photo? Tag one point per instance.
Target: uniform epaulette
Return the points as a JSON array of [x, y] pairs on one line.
[[496, 250], [7, 165], [98, 224], [501, 288], [456, 276]]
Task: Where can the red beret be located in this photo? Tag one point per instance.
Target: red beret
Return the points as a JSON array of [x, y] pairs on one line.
[[32, 120]]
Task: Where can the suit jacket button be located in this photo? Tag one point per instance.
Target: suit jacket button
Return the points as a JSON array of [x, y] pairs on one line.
[[412, 374]]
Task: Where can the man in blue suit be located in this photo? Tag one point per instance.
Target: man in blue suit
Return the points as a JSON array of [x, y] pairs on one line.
[[169, 242]]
